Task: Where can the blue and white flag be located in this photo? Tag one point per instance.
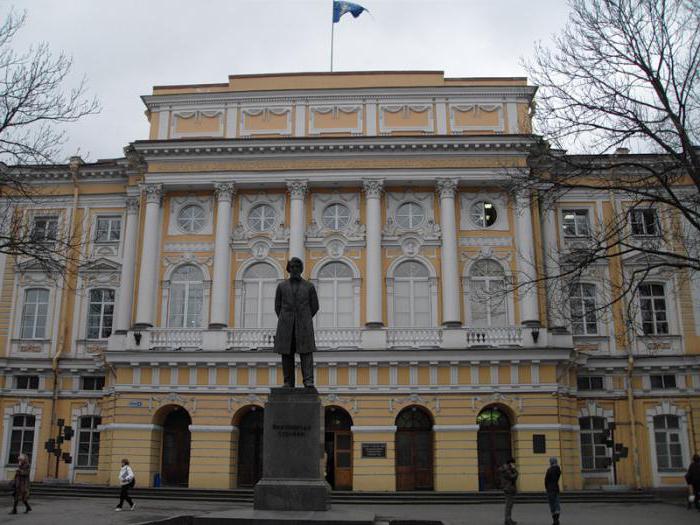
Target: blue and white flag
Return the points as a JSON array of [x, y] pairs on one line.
[[340, 7]]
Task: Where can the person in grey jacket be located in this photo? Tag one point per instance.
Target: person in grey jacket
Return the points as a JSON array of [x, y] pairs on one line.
[[551, 485], [508, 475]]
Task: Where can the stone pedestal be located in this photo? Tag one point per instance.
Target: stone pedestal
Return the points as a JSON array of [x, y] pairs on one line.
[[292, 452]]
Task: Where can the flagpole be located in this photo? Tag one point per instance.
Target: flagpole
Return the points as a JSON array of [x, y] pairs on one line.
[[332, 30]]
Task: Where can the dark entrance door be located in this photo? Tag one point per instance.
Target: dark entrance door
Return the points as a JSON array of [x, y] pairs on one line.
[[338, 448], [175, 467], [250, 447], [494, 445], [414, 450]]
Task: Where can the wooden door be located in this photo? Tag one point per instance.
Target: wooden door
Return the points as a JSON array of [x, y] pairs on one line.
[[414, 450], [494, 446], [338, 445], [250, 448], [175, 466]]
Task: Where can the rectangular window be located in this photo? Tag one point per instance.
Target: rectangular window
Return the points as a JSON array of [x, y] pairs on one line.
[[100, 313], [583, 309], [652, 303], [88, 442], [590, 383], [108, 229], [644, 222], [92, 382], [27, 382], [594, 452], [663, 381], [667, 434], [45, 229], [21, 438], [575, 223], [34, 314]]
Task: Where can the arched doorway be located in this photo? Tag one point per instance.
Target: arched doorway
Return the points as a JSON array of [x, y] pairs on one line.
[[338, 424], [250, 447], [494, 445], [175, 464], [414, 449]]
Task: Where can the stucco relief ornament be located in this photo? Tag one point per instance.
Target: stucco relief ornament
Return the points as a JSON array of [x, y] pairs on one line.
[[153, 192], [410, 247], [432, 229], [313, 230], [357, 229], [238, 233], [297, 188], [390, 228], [281, 233], [373, 187], [132, 205], [224, 191], [446, 187], [335, 248], [260, 249]]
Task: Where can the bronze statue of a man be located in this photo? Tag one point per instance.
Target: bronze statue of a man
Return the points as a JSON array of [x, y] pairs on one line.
[[296, 303]]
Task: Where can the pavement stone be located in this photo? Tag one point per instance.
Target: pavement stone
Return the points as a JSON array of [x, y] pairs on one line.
[[100, 511]]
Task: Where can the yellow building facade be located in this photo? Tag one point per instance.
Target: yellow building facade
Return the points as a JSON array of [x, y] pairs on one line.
[[392, 188]]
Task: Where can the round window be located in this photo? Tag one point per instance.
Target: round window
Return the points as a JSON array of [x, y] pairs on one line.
[[484, 214], [191, 218], [261, 218], [410, 215], [336, 216]]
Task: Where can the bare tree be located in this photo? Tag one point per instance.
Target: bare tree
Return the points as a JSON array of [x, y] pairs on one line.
[[622, 74], [34, 102]]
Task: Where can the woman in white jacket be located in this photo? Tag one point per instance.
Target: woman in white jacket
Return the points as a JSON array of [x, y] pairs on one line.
[[127, 480]]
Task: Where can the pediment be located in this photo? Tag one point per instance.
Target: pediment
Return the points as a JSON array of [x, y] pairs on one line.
[[645, 259], [101, 265]]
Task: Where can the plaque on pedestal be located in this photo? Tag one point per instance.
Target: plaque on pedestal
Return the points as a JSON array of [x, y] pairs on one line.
[[292, 452]]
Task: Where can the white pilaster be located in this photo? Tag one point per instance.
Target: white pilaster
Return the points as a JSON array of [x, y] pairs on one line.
[[373, 289], [556, 305], [448, 259], [221, 289], [126, 280], [297, 192], [149, 256], [529, 311]]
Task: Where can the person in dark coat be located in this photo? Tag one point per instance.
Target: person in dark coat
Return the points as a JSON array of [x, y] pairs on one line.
[[692, 478], [21, 488], [509, 476], [551, 485], [296, 303]]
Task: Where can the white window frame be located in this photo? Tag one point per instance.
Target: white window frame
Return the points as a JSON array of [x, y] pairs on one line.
[[641, 212], [92, 431], [581, 299], [433, 289], [412, 225], [473, 213], [469, 288], [29, 376], [274, 219], [663, 381], [592, 409], [590, 386], [321, 283], [23, 312], [654, 311], [665, 478], [260, 297], [111, 220], [188, 285], [45, 239], [23, 407], [578, 232], [102, 314], [336, 223], [189, 225]]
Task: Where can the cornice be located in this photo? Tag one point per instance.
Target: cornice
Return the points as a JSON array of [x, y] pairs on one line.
[[320, 96]]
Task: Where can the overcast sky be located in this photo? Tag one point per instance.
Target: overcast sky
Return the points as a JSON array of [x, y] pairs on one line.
[[124, 47]]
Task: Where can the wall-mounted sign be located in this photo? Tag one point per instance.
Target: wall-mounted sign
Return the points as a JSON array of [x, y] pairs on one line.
[[373, 450], [539, 444], [135, 404]]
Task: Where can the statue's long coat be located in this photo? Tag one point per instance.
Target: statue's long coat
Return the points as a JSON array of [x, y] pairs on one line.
[[295, 314]]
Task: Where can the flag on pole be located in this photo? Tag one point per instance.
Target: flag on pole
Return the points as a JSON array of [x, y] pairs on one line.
[[340, 7]]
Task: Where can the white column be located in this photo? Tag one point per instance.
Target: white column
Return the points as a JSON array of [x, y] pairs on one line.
[[373, 285], [448, 258], [529, 310], [126, 280], [297, 223], [149, 256], [221, 288], [557, 306]]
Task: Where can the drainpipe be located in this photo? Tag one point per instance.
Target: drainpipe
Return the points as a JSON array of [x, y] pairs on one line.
[[74, 166]]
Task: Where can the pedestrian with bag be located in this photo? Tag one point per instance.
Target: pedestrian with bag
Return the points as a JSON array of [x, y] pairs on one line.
[[551, 485], [692, 478], [127, 480], [21, 484], [508, 476]]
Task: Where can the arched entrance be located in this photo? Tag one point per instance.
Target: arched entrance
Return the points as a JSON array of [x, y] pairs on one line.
[[414, 449], [338, 448], [250, 447], [175, 461], [494, 445]]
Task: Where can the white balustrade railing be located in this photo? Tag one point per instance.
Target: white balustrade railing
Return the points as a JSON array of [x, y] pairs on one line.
[[338, 337], [494, 336], [410, 337], [175, 337], [250, 338]]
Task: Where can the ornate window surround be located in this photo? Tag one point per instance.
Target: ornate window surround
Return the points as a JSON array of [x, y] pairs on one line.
[[667, 408], [176, 204], [592, 409], [238, 288], [432, 280], [165, 286], [503, 261], [499, 200], [356, 281], [88, 409], [23, 407]]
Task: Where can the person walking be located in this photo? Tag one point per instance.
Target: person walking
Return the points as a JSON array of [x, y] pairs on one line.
[[508, 476], [551, 485], [692, 478], [126, 480], [21, 484]]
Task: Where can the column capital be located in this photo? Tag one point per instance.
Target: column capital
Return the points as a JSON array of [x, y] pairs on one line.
[[297, 188], [373, 187], [446, 187], [132, 205], [153, 192], [224, 191]]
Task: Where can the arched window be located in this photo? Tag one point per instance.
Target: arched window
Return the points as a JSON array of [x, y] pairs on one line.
[[88, 442], [667, 435], [34, 313], [412, 295], [488, 299], [186, 297], [259, 283], [100, 313], [335, 295], [594, 452]]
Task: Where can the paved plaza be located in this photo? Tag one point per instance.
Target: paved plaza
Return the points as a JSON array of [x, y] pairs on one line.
[[98, 511]]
